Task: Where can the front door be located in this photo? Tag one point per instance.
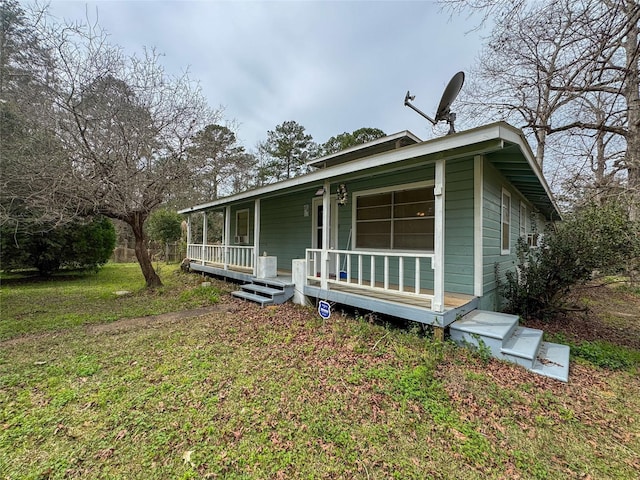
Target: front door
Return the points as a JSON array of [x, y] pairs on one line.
[[318, 227]]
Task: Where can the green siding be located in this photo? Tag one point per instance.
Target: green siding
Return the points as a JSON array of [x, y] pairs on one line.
[[492, 204], [284, 230], [492, 257], [458, 250]]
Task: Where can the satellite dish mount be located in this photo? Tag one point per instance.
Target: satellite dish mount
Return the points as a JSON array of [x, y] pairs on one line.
[[448, 97]]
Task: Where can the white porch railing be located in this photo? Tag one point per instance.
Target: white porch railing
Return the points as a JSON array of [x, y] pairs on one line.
[[241, 256], [398, 272]]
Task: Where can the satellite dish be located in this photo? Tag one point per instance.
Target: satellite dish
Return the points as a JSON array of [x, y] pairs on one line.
[[443, 113]]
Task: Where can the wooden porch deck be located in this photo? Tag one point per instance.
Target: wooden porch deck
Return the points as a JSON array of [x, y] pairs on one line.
[[388, 302], [393, 294]]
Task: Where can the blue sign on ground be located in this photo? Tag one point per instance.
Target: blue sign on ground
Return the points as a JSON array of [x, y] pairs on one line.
[[324, 309]]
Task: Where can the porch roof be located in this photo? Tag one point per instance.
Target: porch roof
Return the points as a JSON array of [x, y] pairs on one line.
[[504, 145]]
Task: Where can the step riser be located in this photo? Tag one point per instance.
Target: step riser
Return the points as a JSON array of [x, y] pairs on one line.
[[465, 338], [523, 362], [277, 299]]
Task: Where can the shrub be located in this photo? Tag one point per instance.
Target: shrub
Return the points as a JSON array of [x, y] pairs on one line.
[[84, 244], [164, 226], [596, 240]]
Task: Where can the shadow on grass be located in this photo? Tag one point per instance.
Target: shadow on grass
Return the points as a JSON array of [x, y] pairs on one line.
[[25, 277]]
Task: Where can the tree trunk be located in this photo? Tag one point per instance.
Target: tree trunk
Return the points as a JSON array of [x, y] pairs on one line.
[[136, 221], [633, 108]]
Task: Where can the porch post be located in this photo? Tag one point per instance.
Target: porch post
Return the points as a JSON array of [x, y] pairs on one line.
[[188, 233], [326, 236], [227, 236], [438, 257], [204, 236], [478, 245], [256, 235]]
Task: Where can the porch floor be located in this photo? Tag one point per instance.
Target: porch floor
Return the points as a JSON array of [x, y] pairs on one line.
[[393, 294], [388, 302]]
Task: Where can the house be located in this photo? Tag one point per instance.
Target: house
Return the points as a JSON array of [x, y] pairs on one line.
[[399, 226]]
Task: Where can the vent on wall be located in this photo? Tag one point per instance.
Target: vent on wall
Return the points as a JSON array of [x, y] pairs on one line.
[[241, 239]]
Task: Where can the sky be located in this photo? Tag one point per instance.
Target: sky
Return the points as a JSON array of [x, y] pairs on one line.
[[331, 66]]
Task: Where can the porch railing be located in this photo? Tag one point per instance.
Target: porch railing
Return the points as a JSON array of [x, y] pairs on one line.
[[241, 256], [400, 272]]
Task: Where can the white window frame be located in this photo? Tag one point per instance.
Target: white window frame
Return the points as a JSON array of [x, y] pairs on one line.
[[238, 212], [374, 191], [505, 250], [523, 221]]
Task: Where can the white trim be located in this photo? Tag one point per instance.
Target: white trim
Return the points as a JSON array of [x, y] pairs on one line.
[[478, 238], [374, 191], [439, 240], [256, 235], [326, 239], [505, 251], [522, 226], [204, 235], [238, 212], [389, 138], [315, 202], [227, 235], [499, 132]]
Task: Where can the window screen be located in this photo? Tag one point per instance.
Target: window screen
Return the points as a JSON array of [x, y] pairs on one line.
[[402, 220]]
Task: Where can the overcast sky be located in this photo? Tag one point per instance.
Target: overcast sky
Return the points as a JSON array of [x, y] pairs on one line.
[[330, 66]]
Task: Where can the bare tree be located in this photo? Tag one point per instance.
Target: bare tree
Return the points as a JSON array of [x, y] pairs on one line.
[[567, 67], [26, 148], [124, 126]]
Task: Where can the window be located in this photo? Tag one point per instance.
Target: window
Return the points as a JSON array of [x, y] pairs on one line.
[[506, 223], [242, 226], [397, 220], [523, 221]]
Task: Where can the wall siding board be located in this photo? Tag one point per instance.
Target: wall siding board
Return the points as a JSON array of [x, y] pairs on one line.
[[458, 251], [284, 230]]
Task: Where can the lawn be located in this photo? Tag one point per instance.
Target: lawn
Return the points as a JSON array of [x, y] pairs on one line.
[[31, 305], [237, 391]]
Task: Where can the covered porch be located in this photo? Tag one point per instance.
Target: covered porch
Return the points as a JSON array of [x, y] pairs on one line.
[[406, 284]]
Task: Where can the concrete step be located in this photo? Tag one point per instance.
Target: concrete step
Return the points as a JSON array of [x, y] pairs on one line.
[[481, 326], [266, 291], [507, 340], [253, 297], [522, 346], [277, 295], [552, 361]]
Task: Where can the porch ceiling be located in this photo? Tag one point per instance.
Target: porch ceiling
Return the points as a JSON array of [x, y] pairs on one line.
[[517, 169]]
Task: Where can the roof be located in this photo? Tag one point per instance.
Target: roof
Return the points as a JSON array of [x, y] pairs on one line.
[[504, 145], [380, 145]]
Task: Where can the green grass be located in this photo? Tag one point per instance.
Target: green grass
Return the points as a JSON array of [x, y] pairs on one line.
[[32, 305], [602, 354], [250, 393]]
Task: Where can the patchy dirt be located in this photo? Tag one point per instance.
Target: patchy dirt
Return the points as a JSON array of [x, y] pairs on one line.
[[610, 313], [131, 324]]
